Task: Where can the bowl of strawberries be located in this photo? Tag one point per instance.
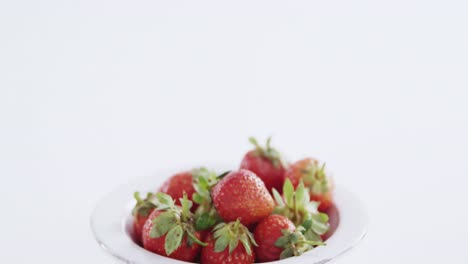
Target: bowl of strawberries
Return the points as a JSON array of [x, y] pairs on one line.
[[265, 210]]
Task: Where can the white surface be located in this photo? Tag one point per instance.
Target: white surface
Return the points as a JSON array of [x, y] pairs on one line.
[[96, 93]]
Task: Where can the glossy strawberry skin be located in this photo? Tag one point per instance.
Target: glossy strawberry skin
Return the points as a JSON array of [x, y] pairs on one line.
[[138, 223], [271, 175], [241, 194], [176, 185], [266, 234], [156, 245], [237, 256], [295, 174]]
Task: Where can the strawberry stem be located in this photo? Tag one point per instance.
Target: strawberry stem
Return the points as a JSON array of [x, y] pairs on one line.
[[194, 238], [321, 172], [236, 225]]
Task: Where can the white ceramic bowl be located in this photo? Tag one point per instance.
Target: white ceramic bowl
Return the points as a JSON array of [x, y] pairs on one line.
[[111, 225]]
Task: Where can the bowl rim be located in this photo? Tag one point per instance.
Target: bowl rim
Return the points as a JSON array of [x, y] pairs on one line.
[[109, 224]]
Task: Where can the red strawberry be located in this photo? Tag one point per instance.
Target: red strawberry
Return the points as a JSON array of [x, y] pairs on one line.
[[169, 230], [314, 177], [179, 183], [241, 194], [266, 163], [224, 247], [138, 223], [267, 232], [141, 212], [278, 238]]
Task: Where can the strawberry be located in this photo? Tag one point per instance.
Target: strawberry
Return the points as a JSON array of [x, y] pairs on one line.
[[278, 238], [141, 212], [241, 194], [206, 215], [315, 178], [266, 162], [224, 247], [169, 230], [176, 185], [297, 206]]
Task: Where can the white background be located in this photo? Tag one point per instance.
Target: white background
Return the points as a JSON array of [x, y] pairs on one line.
[[96, 93]]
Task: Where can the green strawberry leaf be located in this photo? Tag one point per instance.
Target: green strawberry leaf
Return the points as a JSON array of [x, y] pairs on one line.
[[312, 207], [221, 243], [307, 224], [203, 181], [230, 234], [278, 198], [206, 220], [201, 185], [286, 253], [219, 226], [245, 242], [251, 238], [315, 243], [186, 205], [320, 223], [137, 197], [282, 241], [295, 243], [254, 142], [173, 239], [294, 237], [288, 193], [302, 194], [309, 234], [316, 178], [223, 174], [164, 201], [197, 198], [193, 238], [162, 223], [233, 244]]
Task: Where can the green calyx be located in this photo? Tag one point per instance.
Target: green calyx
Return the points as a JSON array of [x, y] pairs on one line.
[[315, 176], [206, 215], [175, 222], [143, 206], [267, 152], [294, 243], [203, 181], [316, 226], [230, 234], [297, 206]]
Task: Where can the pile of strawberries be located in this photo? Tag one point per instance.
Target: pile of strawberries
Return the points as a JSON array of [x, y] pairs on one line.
[[265, 211]]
